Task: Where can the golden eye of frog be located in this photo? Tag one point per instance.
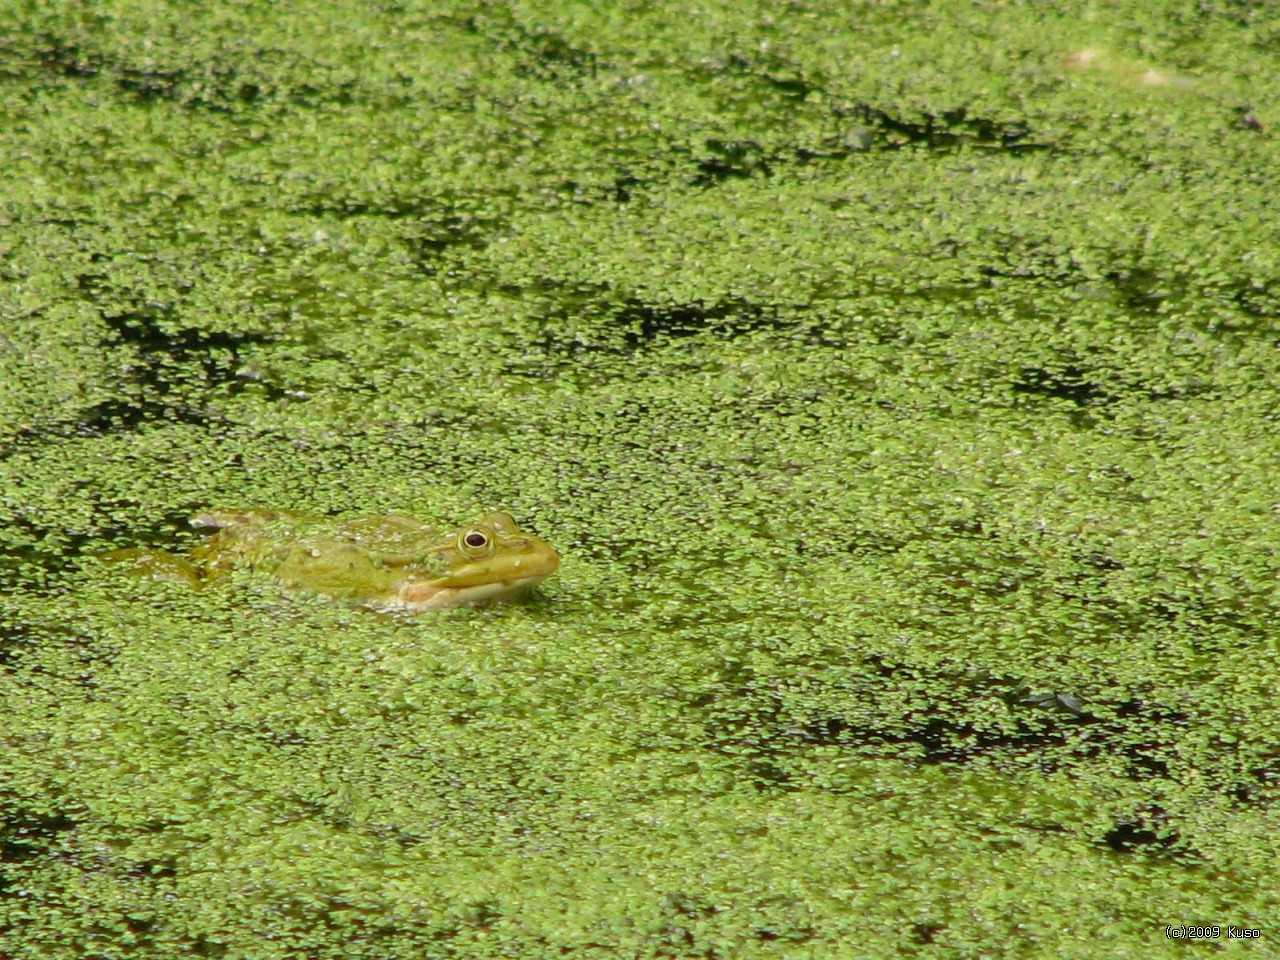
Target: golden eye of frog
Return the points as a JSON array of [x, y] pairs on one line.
[[385, 562]]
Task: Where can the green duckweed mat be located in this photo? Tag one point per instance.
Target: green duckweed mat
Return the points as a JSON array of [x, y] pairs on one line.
[[898, 380]]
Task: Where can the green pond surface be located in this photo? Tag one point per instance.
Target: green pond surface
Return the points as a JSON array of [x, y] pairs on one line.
[[899, 383]]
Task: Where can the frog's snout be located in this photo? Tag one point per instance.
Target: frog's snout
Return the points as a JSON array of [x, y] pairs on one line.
[[536, 558]]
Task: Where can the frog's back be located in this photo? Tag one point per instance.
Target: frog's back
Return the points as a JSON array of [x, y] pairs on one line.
[[246, 538], [352, 556]]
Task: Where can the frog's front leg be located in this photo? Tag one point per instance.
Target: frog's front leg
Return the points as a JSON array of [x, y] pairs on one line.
[[155, 564], [335, 568]]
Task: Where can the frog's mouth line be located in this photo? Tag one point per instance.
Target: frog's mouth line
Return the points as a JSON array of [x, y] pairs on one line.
[[436, 594]]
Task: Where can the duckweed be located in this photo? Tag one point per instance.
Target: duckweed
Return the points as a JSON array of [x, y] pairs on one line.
[[897, 381]]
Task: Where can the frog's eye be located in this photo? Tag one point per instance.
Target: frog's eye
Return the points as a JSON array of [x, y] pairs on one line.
[[475, 544]]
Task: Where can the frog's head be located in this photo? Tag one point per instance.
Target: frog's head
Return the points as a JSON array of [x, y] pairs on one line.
[[489, 560]]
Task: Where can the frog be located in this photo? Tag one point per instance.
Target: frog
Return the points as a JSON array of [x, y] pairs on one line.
[[387, 562]]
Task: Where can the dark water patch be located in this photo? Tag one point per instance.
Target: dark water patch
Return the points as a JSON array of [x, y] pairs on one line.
[[593, 320], [67, 652], [204, 945], [544, 54], [946, 131], [63, 58], [727, 159], [223, 81], [1259, 299], [1248, 119], [27, 834], [624, 185], [43, 558], [868, 542], [1070, 381], [150, 84], [214, 87], [16, 639], [579, 193], [1263, 784], [537, 52], [785, 85], [645, 322], [862, 129], [168, 373], [442, 228], [161, 348], [926, 932], [756, 721], [410, 206], [944, 735], [122, 416], [164, 868], [1025, 259], [130, 523], [1140, 290], [37, 560], [753, 720], [1146, 831]]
